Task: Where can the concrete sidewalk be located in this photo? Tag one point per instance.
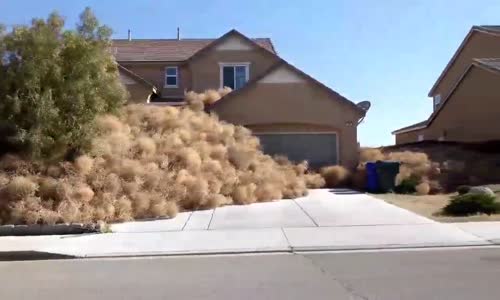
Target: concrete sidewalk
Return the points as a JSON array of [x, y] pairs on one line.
[[321, 221], [489, 231]]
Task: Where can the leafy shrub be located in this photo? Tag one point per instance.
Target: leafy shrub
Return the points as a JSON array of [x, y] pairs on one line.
[[334, 175], [463, 189], [407, 186], [470, 204], [53, 83]]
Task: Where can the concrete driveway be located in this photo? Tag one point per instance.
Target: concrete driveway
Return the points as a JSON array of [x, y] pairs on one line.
[[323, 220], [321, 208]]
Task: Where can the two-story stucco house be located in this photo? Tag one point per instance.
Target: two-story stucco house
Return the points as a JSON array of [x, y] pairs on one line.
[[291, 112], [466, 96]]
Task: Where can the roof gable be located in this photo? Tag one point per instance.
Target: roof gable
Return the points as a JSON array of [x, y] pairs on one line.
[[234, 43], [172, 50], [488, 64], [234, 40], [283, 72], [493, 66], [491, 30]]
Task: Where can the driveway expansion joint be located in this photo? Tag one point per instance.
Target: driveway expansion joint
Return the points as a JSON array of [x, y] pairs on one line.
[[306, 213], [211, 218], [187, 221]]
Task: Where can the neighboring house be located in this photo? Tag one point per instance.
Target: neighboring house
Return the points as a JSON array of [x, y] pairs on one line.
[[291, 112], [466, 96]]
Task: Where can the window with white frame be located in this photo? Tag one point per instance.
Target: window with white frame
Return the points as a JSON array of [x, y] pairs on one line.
[[437, 101], [171, 77], [420, 137], [234, 75]]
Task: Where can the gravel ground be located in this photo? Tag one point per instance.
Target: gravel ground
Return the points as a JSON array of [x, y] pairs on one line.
[[429, 206]]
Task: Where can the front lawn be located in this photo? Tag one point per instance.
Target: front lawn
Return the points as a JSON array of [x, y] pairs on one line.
[[431, 205]]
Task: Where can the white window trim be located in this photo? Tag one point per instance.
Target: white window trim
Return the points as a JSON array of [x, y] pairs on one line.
[[233, 64], [176, 77]]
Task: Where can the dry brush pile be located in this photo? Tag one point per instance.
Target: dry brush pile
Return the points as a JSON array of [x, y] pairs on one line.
[[150, 162], [415, 166]]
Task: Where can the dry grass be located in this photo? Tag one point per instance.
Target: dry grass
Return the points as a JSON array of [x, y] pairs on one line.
[[198, 100], [430, 206], [370, 154], [150, 162], [20, 187], [335, 175], [423, 189]]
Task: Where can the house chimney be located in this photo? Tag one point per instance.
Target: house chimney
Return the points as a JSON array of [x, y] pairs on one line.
[[129, 35], [178, 33]]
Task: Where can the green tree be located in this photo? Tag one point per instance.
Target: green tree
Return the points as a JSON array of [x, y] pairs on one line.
[[53, 83]]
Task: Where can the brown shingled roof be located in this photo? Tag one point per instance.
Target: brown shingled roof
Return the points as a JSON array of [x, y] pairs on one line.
[[167, 49]]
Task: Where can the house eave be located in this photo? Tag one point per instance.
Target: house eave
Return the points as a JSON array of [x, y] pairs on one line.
[[409, 129], [473, 30]]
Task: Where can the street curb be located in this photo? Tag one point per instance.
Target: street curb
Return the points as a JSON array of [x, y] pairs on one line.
[[280, 251], [40, 255], [57, 229], [31, 255]]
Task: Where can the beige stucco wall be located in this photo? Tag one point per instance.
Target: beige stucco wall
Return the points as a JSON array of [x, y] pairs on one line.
[[480, 45], [138, 93], [473, 111], [206, 71], [471, 114], [203, 71], [298, 107], [409, 137], [155, 73]]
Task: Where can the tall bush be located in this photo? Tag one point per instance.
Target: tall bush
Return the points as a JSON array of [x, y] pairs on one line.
[[53, 83]]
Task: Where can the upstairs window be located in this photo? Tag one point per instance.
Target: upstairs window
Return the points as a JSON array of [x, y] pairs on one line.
[[171, 77], [234, 75], [437, 101]]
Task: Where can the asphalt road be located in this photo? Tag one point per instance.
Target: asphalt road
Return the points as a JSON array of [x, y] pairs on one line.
[[437, 274]]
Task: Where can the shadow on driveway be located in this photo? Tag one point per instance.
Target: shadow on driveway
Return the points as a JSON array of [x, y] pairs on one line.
[[345, 192]]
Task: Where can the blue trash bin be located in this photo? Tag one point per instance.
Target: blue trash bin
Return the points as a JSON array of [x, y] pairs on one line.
[[372, 182]]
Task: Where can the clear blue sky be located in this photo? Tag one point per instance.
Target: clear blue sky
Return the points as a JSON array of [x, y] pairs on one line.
[[387, 51]]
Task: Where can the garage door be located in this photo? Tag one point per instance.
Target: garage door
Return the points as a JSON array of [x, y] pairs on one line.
[[318, 149]]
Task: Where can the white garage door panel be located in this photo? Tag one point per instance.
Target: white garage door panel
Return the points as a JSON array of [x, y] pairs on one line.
[[318, 149]]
